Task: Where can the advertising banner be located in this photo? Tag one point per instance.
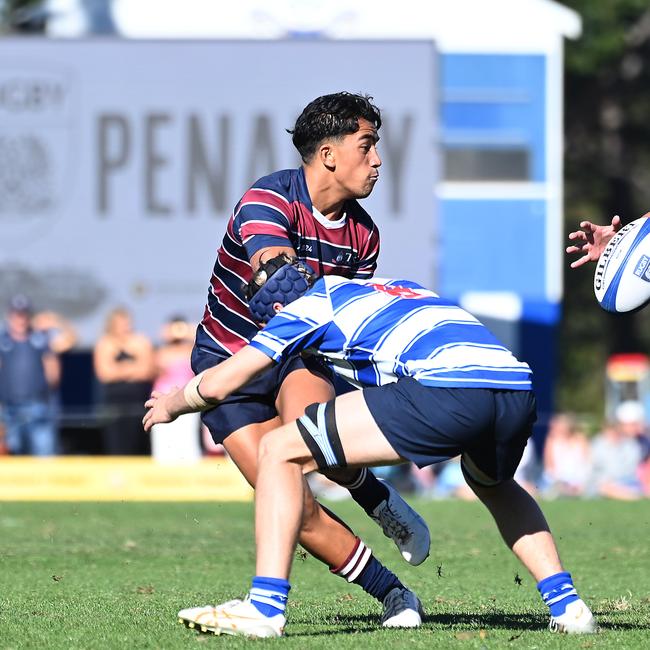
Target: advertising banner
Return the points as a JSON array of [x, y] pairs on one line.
[[121, 161]]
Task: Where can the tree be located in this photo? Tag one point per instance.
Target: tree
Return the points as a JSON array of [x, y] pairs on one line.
[[607, 166], [23, 16]]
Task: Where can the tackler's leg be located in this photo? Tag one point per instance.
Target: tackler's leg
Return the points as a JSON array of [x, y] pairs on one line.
[[318, 440], [526, 532], [380, 501]]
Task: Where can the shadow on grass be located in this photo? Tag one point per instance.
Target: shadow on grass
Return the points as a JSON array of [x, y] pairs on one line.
[[365, 623], [469, 621], [462, 620]]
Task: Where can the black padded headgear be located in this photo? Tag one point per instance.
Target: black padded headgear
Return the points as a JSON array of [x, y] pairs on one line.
[[282, 279]]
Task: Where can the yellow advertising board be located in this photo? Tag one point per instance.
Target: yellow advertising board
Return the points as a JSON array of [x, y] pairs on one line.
[[89, 478]]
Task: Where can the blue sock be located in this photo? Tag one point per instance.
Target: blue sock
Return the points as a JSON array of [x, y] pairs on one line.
[[557, 592], [269, 595], [377, 580]]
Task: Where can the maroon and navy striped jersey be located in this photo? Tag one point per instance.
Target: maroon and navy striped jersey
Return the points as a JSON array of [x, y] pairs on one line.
[[277, 211]]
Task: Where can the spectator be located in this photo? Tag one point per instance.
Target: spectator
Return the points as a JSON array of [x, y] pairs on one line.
[[632, 421], [175, 442], [124, 366], [616, 459], [30, 373], [451, 482], [567, 458]]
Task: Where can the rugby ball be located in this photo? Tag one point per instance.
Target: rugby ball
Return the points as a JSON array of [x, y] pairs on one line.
[[622, 278]]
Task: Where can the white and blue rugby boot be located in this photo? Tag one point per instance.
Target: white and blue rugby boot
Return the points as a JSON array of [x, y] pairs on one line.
[[236, 617], [577, 619]]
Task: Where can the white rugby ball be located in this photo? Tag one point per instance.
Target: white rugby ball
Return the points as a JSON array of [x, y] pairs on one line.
[[622, 278]]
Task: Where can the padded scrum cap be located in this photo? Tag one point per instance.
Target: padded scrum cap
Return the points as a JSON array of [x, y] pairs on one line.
[[281, 279]]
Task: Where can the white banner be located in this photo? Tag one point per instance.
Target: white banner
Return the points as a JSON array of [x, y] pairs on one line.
[[120, 161]]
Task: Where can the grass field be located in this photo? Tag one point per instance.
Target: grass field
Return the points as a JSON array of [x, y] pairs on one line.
[[113, 575]]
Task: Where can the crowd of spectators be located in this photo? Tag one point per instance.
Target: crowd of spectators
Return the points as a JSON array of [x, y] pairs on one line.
[[613, 463], [126, 365]]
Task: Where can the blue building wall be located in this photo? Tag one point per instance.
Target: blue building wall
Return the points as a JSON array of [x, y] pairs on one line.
[[492, 245], [495, 101], [496, 241]]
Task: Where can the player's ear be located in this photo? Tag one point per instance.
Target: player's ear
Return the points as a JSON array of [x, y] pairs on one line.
[[277, 307], [326, 155]]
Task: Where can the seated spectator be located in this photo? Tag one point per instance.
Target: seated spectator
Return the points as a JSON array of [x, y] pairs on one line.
[[632, 421], [30, 373], [424, 479], [450, 482], [567, 458], [124, 366], [175, 442], [616, 458]]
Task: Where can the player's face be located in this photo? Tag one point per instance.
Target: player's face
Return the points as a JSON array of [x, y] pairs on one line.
[[357, 161]]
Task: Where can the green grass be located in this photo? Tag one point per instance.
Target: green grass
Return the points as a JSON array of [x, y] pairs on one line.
[[113, 575]]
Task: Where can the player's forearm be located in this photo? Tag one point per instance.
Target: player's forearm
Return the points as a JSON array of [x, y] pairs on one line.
[[219, 382], [213, 385]]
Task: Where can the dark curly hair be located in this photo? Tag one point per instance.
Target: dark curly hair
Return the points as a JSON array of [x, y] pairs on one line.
[[331, 116]]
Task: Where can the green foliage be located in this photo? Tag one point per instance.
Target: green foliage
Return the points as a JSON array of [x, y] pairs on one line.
[[607, 171], [10, 8], [113, 575]]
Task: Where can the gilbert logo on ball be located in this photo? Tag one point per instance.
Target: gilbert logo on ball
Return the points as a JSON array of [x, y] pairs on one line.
[[622, 278]]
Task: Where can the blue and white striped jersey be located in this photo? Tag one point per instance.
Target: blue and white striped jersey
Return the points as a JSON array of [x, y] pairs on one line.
[[372, 332]]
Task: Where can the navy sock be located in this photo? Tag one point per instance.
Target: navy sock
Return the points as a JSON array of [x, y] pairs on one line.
[[269, 595], [367, 490], [363, 569], [377, 580], [557, 592]]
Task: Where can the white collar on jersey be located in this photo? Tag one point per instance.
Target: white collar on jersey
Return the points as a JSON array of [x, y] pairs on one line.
[[329, 223]]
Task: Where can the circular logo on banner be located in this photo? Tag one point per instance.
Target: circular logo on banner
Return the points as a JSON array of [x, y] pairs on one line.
[[36, 138]]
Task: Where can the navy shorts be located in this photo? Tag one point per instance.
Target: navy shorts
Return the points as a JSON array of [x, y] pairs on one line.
[[255, 402], [427, 425]]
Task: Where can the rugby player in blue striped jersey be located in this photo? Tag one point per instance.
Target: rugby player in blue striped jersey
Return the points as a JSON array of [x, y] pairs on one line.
[[435, 384]]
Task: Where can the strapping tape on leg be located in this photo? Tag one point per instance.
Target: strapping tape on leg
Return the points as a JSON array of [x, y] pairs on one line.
[[474, 474], [318, 429]]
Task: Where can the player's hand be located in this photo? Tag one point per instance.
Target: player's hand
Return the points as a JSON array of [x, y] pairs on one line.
[[591, 240], [157, 411]]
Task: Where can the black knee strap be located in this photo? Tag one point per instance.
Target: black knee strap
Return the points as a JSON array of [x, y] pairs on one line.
[[318, 429]]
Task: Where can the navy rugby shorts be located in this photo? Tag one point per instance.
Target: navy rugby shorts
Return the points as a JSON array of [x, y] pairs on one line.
[[427, 425], [255, 402]]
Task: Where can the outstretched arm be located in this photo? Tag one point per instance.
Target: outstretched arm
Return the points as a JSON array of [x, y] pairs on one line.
[[591, 240], [64, 335], [207, 389]]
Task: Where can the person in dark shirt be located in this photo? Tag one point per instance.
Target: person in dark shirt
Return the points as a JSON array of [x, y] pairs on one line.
[[30, 372]]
